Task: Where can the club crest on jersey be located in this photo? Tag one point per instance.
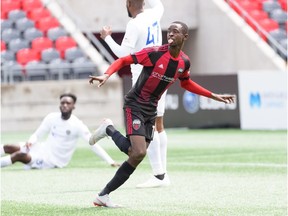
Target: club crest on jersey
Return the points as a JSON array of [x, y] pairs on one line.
[[136, 124], [68, 132], [180, 70]]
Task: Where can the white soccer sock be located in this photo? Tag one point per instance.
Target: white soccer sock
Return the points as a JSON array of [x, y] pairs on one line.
[[6, 161], [154, 156], [102, 153], [163, 149], [2, 150]]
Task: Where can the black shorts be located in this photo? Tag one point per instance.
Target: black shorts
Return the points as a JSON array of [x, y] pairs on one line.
[[138, 124]]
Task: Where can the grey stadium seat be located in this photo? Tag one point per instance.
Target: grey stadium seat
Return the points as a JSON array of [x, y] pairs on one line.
[[7, 55], [55, 33], [50, 54], [73, 53], [10, 34], [23, 24], [17, 44], [6, 24], [269, 6], [283, 44], [14, 71], [60, 69], [36, 71], [14, 15], [82, 68], [32, 33], [280, 16]]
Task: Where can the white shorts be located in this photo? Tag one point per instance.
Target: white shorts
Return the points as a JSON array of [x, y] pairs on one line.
[[161, 105], [38, 158]]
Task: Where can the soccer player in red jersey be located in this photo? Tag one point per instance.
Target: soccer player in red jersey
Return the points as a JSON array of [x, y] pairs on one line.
[[163, 65]]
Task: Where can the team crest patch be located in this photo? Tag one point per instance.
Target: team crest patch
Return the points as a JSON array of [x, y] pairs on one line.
[[180, 70], [136, 124], [68, 132]]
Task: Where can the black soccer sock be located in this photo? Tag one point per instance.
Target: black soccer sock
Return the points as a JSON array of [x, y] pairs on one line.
[[122, 142], [160, 177], [121, 176]]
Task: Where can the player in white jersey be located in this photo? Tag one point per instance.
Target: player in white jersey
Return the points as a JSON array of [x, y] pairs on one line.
[[144, 30], [63, 129]]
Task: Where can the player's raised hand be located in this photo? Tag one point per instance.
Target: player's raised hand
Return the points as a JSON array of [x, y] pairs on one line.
[[227, 98], [102, 79]]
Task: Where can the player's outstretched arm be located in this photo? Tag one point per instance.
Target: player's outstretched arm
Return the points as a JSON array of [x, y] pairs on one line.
[[113, 68], [226, 98]]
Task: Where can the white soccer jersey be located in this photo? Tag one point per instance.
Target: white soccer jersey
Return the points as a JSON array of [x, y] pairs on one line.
[[142, 31], [62, 138]]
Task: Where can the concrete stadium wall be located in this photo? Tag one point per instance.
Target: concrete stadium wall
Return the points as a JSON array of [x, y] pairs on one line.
[[24, 105]]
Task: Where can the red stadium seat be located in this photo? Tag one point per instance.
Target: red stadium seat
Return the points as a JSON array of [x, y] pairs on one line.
[[9, 5], [38, 14], [283, 4], [242, 6], [47, 23], [267, 25], [41, 43], [24, 56], [3, 46], [63, 43], [29, 5], [255, 16]]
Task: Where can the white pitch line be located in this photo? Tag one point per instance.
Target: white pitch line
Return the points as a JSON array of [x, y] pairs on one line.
[[232, 164]]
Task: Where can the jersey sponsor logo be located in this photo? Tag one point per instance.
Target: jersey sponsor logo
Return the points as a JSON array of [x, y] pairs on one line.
[[163, 77], [161, 66], [180, 70], [136, 124]]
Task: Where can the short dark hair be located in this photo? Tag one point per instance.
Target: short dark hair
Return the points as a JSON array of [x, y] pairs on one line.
[[69, 95], [184, 26]]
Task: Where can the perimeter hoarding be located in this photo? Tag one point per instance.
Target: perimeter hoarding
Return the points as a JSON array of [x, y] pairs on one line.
[[185, 109], [263, 99]]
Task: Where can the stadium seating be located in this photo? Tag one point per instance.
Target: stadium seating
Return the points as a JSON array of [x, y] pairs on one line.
[[47, 23], [82, 68], [23, 24], [48, 55], [7, 55], [60, 69], [32, 39], [63, 43], [270, 5], [32, 33], [14, 15], [7, 6], [29, 5], [279, 16], [10, 34], [6, 24], [24, 56], [55, 33], [38, 13], [41, 43], [36, 70], [17, 44], [3, 46], [73, 53], [13, 69], [254, 17]]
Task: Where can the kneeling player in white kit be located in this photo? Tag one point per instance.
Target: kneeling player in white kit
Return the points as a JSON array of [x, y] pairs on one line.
[[63, 129], [144, 30]]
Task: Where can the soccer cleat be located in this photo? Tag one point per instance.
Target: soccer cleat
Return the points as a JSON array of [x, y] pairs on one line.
[[105, 202], [154, 182], [100, 132]]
